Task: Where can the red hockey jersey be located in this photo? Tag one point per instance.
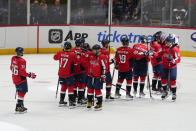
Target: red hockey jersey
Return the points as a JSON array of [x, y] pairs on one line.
[[18, 68], [124, 59], [77, 66], [107, 57], [175, 55], [138, 51], [97, 66], [156, 48], [85, 60], [66, 60]]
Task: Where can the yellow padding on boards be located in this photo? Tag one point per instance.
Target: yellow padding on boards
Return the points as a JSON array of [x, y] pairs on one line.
[[54, 50], [188, 54], [49, 50], [12, 51]]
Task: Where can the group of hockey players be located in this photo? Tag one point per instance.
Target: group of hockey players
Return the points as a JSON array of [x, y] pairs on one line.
[[85, 69]]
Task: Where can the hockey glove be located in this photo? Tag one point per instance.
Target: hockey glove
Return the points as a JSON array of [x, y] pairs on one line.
[[32, 75], [116, 67], [112, 61], [170, 60], [148, 53], [103, 78]]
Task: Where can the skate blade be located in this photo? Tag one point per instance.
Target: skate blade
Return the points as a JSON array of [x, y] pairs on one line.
[[18, 112], [99, 109], [83, 105], [143, 96], [89, 109], [128, 98], [62, 105], [165, 97], [72, 107], [158, 93], [109, 100], [117, 97]]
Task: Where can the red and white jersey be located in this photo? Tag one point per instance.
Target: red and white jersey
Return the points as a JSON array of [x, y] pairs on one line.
[[124, 59], [156, 48], [138, 51], [175, 55], [66, 59], [97, 66], [18, 68], [77, 66], [107, 57], [85, 60]]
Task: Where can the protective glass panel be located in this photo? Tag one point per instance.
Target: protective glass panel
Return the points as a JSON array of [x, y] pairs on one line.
[[180, 13], [3, 12], [89, 12], [193, 13], [155, 12], [18, 12], [126, 12], [48, 12]]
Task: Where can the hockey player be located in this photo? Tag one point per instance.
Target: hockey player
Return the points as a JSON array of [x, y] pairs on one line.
[[124, 64], [141, 58], [171, 57], [84, 63], [155, 46], [97, 76], [19, 77], [80, 76], [105, 45], [66, 59]]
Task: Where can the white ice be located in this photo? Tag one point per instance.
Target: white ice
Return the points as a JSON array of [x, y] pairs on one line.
[[120, 115]]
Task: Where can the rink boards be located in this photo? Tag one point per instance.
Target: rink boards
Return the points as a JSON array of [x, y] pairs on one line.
[[49, 39]]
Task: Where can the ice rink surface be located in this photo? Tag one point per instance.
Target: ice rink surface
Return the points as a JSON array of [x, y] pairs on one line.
[[120, 115]]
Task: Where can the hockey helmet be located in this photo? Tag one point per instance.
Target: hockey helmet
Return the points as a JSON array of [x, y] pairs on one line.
[[67, 45], [19, 50], [105, 42], [125, 41]]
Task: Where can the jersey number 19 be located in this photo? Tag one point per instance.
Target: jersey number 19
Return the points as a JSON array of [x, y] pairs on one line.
[[122, 58]]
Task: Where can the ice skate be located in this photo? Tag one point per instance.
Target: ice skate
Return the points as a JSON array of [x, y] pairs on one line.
[[98, 107], [20, 109], [142, 94], [62, 103]]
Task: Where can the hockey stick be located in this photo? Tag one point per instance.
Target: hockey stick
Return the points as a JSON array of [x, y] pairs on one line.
[[113, 73], [169, 69], [148, 78], [93, 84], [120, 88], [15, 94], [57, 88]]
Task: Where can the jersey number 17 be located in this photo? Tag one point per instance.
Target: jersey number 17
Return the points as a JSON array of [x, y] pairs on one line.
[[63, 62]]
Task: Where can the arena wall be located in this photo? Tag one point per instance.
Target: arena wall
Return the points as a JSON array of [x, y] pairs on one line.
[[49, 39]]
